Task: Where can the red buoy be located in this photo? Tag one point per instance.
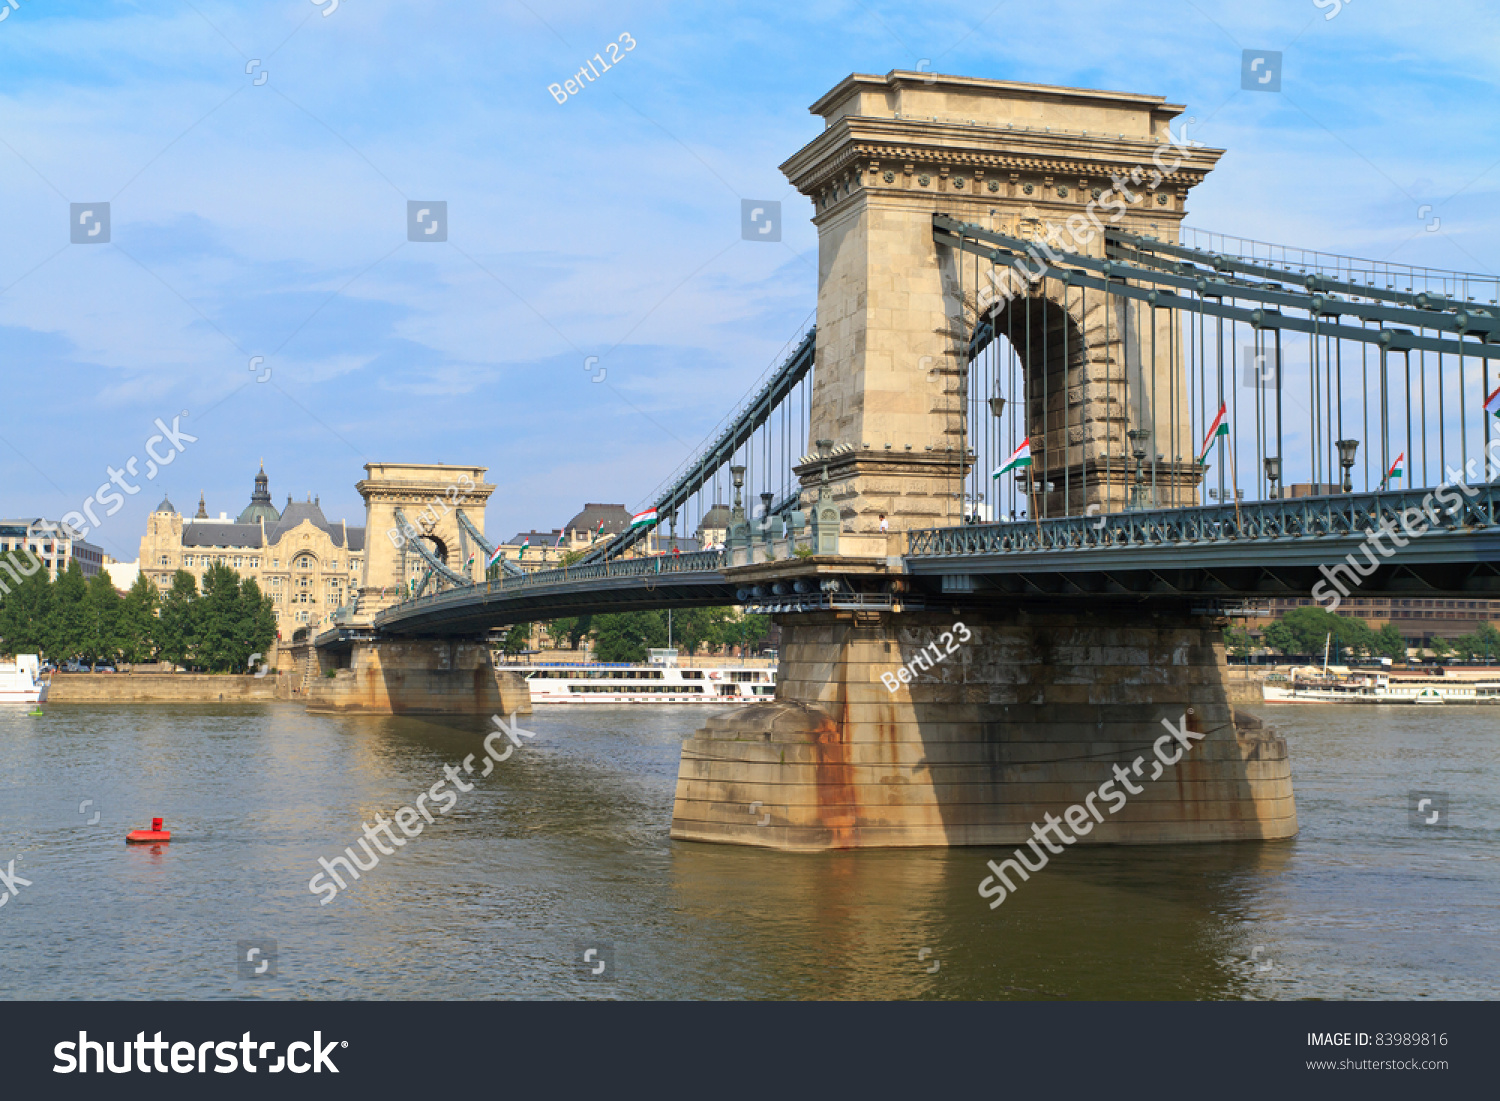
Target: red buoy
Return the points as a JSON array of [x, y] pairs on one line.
[[155, 833]]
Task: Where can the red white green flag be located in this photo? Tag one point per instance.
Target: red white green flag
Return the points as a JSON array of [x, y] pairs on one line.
[[1395, 470], [1492, 403], [643, 519], [1020, 457], [494, 558], [1220, 427]]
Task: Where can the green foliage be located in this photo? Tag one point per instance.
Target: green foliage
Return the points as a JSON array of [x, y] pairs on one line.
[[1483, 642], [517, 638], [804, 551], [1440, 647], [1305, 630], [177, 634], [68, 627], [570, 630], [26, 609], [1238, 642], [137, 622], [694, 628], [1389, 643], [571, 557], [625, 636], [101, 620]]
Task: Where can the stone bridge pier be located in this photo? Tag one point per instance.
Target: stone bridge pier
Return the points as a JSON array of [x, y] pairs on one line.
[[1033, 710], [358, 671], [1029, 711]]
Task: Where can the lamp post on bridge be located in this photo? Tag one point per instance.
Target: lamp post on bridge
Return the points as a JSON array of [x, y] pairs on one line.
[[1273, 473], [1347, 448], [1138, 439]]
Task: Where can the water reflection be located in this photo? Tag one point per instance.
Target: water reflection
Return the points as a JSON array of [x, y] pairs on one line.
[[565, 844]]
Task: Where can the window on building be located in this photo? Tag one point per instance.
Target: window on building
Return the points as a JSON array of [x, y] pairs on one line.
[[165, 560]]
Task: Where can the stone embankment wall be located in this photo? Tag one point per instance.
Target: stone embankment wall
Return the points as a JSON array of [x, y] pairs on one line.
[[1025, 718], [427, 676], [166, 688]]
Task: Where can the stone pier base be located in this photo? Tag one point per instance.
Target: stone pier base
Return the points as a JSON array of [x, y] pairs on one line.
[[415, 677], [1025, 718]]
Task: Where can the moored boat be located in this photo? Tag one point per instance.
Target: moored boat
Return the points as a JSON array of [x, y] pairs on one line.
[[21, 680], [656, 682]]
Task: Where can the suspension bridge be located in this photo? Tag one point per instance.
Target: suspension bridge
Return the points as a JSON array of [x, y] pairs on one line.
[[1037, 403]]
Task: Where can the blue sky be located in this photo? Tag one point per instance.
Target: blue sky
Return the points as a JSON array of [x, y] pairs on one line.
[[270, 220]]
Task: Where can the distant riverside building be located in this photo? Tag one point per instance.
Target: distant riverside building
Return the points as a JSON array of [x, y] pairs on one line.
[[55, 544], [306, 564], [1419, 619], [593, 526], [122, 574]]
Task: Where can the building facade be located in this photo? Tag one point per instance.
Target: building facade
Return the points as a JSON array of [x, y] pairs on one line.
[[597, 523], [54, 543], [307, 565], [1419, 619]]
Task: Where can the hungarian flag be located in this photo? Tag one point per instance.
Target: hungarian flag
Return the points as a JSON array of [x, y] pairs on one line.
[[1220, 427], [643, 519], [524, 544], [598, 531], [1020, 457], [499, 553], [1492, 403], [560, 537], [469, 564], [1395, 470]]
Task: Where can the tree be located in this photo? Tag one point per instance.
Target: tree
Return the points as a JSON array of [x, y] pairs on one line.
[[744, 631], [177, 628], [1238, 642], [570, 629], [1440, 646], [137, 621], [101, 620], [571, 557], [1306, 630], [517, 638], [257, 619], [26, 608], [1389, 643], [693, 628], [625, 636], [69, 633], [1483, 643]]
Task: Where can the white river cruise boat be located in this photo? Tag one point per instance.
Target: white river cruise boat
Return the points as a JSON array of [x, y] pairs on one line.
[[21, 679], [1380, 688], [660, 681]]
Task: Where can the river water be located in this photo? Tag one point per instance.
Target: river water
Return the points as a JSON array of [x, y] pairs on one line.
[[564, 848]]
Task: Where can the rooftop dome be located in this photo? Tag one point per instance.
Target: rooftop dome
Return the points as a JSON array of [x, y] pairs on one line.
[[165, 506], [616, 519], [260, 506]]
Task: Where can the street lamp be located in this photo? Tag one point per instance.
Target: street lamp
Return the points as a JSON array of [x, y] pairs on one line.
[[997, 405], [1138, 438], [1347, 448], [1273, 472], [738, 474]]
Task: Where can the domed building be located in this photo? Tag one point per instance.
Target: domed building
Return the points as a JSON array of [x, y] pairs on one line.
[[308, 565]]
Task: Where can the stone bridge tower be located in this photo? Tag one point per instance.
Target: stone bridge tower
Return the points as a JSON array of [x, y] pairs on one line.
[[894, 308], [429, 495]]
